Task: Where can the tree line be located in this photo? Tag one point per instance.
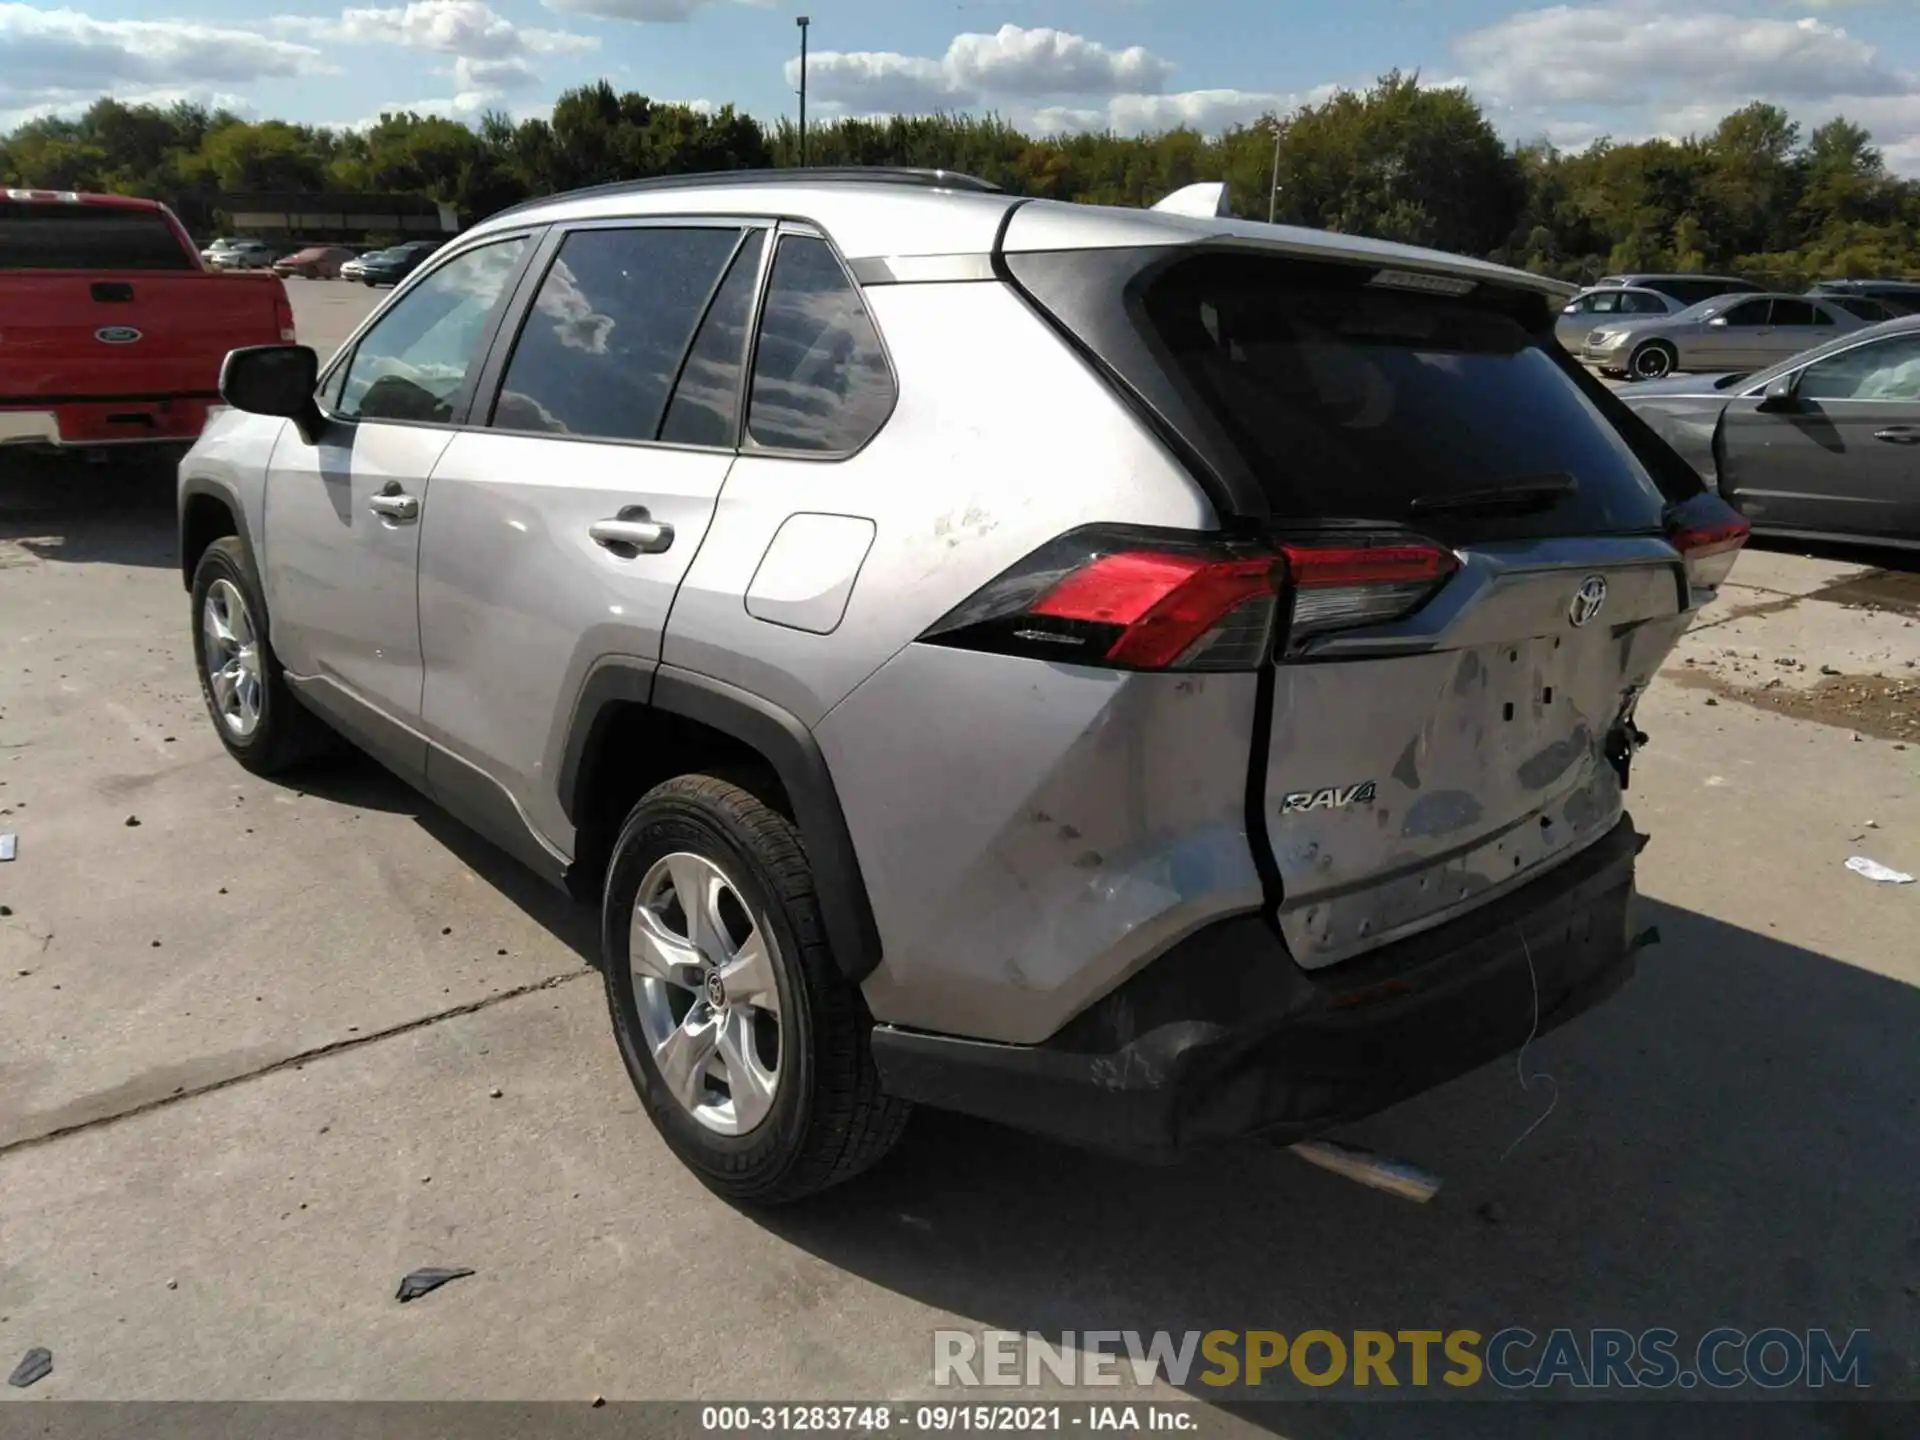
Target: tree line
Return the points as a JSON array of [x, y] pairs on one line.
[[1398, 161]]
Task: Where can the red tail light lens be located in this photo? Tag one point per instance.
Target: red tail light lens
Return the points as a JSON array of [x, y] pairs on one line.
[[1709, 534], [283, 312], [1141, 600]]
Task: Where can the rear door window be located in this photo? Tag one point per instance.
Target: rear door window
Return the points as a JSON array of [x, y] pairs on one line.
[[602, 344], [821, 384], [52, 236], [1796, 312]]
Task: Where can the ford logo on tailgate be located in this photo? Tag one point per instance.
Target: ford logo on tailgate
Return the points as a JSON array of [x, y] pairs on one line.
[[116, 335]]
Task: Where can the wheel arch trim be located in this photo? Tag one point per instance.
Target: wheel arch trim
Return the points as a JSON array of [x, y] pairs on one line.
[[200, 487], [786, 744]]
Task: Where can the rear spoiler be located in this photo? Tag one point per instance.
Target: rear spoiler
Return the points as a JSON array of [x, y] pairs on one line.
[[1208, 200]]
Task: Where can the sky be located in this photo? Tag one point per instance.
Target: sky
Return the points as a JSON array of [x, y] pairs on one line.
[[1566, 73]]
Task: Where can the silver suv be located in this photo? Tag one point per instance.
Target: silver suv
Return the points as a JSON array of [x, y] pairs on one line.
[[1140, 677]]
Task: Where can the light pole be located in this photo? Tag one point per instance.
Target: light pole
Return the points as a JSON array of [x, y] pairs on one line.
[[803, 22], [1273, 191]]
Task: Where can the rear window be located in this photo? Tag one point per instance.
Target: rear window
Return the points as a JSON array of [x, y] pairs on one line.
[[87, 237], [1347, 401]]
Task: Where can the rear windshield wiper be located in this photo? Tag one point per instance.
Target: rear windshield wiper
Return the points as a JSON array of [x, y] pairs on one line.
[[1517, 497]]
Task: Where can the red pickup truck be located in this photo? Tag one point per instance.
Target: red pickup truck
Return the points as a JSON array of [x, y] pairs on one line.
[[111, 330]]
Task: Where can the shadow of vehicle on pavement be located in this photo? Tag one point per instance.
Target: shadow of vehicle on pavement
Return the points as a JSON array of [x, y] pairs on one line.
[[120, 511], [353, 779], [1732, 1143]]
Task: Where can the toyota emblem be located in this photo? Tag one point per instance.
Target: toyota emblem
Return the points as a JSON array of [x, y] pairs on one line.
[[1588, 601]]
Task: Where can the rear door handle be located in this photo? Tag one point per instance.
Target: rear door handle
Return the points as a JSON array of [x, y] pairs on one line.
[[394, 505], [1899, 435], [632, 532]]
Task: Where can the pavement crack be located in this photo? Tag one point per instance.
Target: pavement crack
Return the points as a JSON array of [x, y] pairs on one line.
[[297, 1059]]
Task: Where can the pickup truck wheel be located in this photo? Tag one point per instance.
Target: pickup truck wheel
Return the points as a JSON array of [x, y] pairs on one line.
[[254, 711], [747, 1046]]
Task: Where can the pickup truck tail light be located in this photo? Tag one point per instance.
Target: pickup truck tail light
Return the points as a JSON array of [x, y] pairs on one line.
[[1147, 600], [283, 312]]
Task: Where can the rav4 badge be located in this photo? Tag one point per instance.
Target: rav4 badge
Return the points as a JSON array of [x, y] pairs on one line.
[[1334, 797]]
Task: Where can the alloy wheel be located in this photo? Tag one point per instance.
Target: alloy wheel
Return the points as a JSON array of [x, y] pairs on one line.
[[705, 990], [232, 659]]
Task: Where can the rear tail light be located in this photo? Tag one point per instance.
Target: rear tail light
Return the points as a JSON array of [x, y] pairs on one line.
[[1708, 533], [283, 314], [1140, 600], [1340, 587]]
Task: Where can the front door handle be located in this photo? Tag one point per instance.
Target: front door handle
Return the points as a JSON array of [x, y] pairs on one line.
[[1899, 435], [395, 506], [632, 532]]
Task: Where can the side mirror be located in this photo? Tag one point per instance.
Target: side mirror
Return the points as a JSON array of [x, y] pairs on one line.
[[274, 380], [1718, 320], [1780, 394]]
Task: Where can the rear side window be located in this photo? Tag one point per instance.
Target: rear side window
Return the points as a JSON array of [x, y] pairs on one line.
[[706, 403], [1644, 305], [602, 344], [821, 384], [1346, 400], [55, 236]]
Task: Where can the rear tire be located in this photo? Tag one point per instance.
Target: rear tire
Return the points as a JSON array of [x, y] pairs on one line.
[[822, 1118], [253, 709], [1654, 360]]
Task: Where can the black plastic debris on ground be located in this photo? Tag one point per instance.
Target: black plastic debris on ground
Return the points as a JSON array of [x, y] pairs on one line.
[[34, 1366], [425, 1282]]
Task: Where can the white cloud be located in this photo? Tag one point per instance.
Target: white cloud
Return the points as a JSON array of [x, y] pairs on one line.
[[56, 58], [1635, 69], [491, 56], [1011, 64], [643, 12], [1018, 62], [1634, 53]]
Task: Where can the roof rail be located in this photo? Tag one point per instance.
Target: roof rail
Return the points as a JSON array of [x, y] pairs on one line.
[[795, 175]]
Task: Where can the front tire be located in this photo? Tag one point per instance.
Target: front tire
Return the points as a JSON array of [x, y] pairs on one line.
[[253, 709], [1654, 360], [748, 1048]]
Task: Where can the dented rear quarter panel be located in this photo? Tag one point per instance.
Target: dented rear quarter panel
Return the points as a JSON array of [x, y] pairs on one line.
[[1022, 866]]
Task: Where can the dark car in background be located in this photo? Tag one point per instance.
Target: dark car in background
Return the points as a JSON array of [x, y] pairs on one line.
[[389, 267], [1901, 297], [1826, 443]]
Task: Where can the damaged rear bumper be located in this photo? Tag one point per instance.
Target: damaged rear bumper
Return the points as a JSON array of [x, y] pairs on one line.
[[1225, 1036]]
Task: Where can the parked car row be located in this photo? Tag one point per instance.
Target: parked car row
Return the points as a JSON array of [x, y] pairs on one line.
[[386, 266], [391, 266], [1647, 326]]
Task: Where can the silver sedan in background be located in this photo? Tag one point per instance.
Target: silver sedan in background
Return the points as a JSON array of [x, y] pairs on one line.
[[1606, 304], [1733, 332]]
